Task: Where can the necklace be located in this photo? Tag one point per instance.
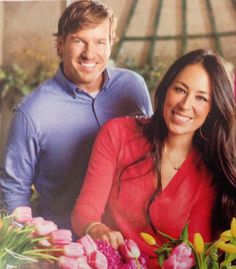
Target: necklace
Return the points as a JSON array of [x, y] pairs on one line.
[[176, 168]]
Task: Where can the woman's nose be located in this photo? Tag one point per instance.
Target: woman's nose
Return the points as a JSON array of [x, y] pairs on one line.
[[186, 102]]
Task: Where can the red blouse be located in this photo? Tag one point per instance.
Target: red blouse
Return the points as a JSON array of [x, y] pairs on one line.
[[119, 197]]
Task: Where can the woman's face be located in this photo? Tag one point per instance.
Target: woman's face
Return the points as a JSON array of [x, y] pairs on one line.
[[188, 101]]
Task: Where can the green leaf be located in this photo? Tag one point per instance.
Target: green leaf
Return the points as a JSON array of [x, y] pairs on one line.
[[160, 259], [184, 234], [213, 265], [229, 267]]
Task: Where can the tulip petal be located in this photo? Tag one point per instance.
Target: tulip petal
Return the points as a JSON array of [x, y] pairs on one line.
[[149, 239], [88, 244], [233, 227], [22, 214], [61, 237], [198, 243]]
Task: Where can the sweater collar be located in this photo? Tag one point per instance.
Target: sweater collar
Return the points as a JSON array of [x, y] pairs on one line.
[[72, 88]]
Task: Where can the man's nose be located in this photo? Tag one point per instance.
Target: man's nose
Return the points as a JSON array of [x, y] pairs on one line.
[[89, 51]]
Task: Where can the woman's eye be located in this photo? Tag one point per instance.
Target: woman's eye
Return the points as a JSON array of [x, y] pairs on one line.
[[201, 98], [179, 90]]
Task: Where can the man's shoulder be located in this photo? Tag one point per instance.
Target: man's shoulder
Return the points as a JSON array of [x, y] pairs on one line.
[[40, 96], [118, 71]]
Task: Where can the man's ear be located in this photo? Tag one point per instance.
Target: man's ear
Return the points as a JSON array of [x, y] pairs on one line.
[[60, 44]]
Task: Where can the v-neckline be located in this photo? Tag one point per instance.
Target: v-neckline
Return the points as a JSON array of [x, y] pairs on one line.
[[190, 162]]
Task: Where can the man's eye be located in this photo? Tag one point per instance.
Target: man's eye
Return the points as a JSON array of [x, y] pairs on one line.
[[76, 41], [101, 42]]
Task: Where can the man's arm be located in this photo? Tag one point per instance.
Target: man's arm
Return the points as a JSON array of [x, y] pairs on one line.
[[20, 160], [146, 99]]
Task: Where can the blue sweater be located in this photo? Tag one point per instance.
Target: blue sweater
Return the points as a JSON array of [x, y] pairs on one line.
[[52, 134]]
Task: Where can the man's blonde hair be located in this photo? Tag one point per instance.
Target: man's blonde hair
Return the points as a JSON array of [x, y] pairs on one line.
[[85, 14]]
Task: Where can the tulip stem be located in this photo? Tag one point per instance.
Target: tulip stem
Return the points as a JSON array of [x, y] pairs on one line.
[[43, 256], [25, 230], [39, 239], [20, 256], [212, 246], [166, 235], [41, 250], [7, 217], [137, 262]]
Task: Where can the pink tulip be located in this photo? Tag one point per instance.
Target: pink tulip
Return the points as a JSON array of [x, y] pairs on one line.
[[97, 260], [129, 250], [88, 244], [180, 258], [44, 243], [61, 237], [67, 262], [34, 221], [22, 214], [132, 264], [45, 228], [82, 263], [73, 250]]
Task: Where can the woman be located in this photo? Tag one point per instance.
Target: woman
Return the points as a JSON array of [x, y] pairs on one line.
[[176, 167]]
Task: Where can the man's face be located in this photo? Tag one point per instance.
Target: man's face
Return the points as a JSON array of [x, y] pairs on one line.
[[85, 54]]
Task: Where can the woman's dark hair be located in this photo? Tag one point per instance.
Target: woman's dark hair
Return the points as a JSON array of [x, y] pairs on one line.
[[218, 145]]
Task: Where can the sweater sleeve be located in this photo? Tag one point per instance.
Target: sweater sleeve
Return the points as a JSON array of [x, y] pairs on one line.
[[91, 203], [20, 160], [146, 99]]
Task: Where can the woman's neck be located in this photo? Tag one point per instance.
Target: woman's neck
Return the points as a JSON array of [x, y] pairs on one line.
[[175, 143]]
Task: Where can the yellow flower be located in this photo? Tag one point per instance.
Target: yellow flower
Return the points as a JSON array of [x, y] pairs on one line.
[[233, 227], [198, 243], [149, 239], [228, 248], [226, 235]]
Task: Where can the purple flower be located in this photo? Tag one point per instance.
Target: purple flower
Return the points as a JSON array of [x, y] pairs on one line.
[[113, 257]]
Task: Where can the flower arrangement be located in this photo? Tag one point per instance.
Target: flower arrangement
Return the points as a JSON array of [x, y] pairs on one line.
[[26, 240], [182, 254]]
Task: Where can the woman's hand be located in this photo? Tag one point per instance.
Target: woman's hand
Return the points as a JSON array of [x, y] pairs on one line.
[[100, 231]]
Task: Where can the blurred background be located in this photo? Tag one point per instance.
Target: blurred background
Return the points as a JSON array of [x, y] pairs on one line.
[[151, 34]]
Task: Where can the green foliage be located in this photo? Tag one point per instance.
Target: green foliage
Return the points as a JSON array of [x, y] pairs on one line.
[[18, 80], [152, 73], [14, 241]]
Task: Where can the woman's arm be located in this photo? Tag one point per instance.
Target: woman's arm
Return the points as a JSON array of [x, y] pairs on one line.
[[91, 203]]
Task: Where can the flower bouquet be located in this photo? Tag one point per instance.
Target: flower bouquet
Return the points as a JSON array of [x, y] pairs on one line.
[[26, 242], [182, 254]]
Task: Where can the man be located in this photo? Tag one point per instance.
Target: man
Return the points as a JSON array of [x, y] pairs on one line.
[[54, 128]]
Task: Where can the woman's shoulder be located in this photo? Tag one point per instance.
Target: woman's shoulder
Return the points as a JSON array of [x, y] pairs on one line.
[[126, 124]]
